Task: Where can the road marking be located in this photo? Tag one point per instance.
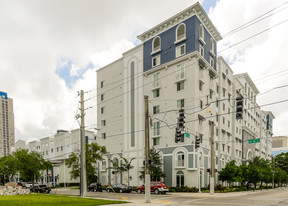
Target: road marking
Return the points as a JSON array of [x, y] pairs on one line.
[[195, 200], [163, 201]]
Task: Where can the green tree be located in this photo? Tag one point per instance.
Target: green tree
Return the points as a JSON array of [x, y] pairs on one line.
[[155, 167], [8, 166], [94, 152], [231, 173], [30, 164], [255, 173]]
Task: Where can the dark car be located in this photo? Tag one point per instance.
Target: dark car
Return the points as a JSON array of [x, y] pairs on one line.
[[156, 187], [95, 187], [40, 189], [119, 188]]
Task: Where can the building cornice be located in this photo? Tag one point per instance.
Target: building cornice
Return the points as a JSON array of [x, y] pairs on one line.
[[195, 9]]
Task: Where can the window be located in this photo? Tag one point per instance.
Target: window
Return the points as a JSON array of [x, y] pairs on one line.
[[201, 104], [156, 141], [201, 85], [212, 46], [200, 121], [103, 123], [156, 44], [217, 89], [102, 97], [223, 147], [223, 107], [51, 150], [61, 148], [156, 80], [180, 179], [156, 61], [156, 93], [211, 62], [201, 50], [228, 110], [211, 93], [156, 130], [102, 110], [156, 109], [180, 32], [180, 86], [201, 34], [224, 92], [180, 103], [228, 123], [217, 102], [180, 71], [228, 148], [104, 165], [57, 149], [180, 50], [180, 159], [103, 135], [102, 84], [216, 145], [223, 120], [182, 138]]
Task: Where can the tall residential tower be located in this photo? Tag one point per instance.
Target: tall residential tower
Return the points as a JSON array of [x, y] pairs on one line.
[[7, 136]]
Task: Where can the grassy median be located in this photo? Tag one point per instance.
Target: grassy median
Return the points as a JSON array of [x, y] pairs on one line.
[[53, 200]]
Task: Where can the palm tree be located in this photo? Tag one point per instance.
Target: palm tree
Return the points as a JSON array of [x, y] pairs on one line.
[[126, 166]]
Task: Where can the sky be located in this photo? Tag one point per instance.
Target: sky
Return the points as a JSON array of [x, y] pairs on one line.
[[49, 50]]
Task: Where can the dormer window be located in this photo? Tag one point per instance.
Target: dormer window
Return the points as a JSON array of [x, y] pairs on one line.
[[201, 34], [180, 33], [156, 45]]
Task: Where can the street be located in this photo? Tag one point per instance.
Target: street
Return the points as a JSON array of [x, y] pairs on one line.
[[277, 197]]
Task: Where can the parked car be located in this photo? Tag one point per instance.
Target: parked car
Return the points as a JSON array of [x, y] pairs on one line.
[[156, 187], [40, 189], [29, 184], [119, 188], [95, 187]]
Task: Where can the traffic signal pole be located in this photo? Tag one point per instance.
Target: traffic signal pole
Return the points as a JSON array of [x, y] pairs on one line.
[[212, 170], [147, 148]]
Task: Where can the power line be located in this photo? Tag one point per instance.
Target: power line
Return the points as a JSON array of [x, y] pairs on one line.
[[253, 21], [252, 36]]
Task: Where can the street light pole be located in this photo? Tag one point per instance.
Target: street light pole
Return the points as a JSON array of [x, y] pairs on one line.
[[212, 170]]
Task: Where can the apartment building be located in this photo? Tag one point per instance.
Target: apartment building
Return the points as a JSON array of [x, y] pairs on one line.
[[56, 149], [176, 67], [7, 134]]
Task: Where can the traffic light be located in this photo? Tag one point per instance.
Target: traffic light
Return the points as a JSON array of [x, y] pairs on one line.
[[177, 135], [208, 170], [197, 142], [181, 119], [239, 107]]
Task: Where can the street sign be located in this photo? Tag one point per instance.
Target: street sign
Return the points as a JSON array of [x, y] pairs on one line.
[[187, 135], [250, 141]]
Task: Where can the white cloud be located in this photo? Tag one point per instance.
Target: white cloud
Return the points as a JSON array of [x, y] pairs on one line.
[[39, 36]]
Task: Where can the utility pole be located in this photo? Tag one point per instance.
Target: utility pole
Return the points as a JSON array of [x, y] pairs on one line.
[[147, 148], [212, 170], [83, 181]]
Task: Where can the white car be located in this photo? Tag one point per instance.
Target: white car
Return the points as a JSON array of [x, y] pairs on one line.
[[29, 184]]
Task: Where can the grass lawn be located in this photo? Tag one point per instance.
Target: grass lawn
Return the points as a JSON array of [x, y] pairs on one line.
[[53, 200]]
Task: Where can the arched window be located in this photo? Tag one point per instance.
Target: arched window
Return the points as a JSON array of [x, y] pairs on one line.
[[180, 159], [156, 44], [179, 179], [201, 32], [181, 32]]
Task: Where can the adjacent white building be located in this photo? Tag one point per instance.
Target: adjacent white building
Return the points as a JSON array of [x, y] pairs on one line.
[[57, 149]]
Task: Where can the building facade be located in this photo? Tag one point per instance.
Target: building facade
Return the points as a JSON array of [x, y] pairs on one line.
[[7, 131], [57, 149], [176, 66]]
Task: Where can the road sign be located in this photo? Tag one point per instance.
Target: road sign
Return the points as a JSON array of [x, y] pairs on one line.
[[250, 141], [187, 135]]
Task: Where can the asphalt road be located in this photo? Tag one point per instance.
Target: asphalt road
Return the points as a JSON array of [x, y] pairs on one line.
[[277, 197]]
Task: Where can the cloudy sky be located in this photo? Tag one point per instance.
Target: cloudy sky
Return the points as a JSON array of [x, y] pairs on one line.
[[49, 50]]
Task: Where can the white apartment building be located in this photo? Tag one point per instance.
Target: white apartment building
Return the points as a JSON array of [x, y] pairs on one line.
[[176, 67], [57, 149], [7, 134]]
